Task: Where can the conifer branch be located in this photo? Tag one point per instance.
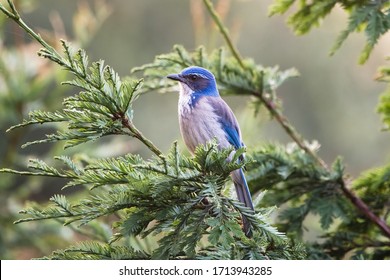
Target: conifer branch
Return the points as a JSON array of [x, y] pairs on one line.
[[103, 80], [372, 17], [363, 207], [14, 15], [138, 134], [291, 131], [184, 200], [283, 121], [224, 31], [288, 127]]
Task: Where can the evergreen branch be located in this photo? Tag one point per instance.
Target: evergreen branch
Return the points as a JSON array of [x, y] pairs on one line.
[[92, 250], [250, 81], [359, 204], [182, 196], [60, 208], [289, 128], [384, 102], [14, 15], [291, 131], [29, 173], [283, 121], [43, 170], [185, 201], [292, 176], [372, 17], [138, 134], [224, 31], [106, 98]]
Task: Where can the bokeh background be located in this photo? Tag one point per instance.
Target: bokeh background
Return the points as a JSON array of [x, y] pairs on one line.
[[333, 101]]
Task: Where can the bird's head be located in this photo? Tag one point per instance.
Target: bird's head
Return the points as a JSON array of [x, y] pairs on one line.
[[198, 80]]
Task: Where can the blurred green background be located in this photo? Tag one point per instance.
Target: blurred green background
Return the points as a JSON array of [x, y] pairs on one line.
[[333, 101]]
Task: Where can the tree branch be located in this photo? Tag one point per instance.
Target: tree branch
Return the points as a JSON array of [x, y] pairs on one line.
[[223, 31], [56, 57], [14, 15], [283, 121], [359, 204], [291, 131], [138, 134], [289, 128]]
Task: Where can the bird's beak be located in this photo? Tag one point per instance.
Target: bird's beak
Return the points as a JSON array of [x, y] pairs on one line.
[[176, 77]]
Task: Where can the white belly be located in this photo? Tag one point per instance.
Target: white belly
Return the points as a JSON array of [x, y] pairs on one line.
[[199, 124]]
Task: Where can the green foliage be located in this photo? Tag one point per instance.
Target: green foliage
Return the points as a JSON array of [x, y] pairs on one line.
[[308, 15], [293, 180], [177, 199], [384, 109], [372, 17], [252, 80], [180, 199], [92, 250], [28, 82], [184, 204], [102, 108], [374, 187], [291, 176], [384, 101]]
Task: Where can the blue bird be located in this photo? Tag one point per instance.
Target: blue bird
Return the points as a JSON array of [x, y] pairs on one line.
[[204, 115]]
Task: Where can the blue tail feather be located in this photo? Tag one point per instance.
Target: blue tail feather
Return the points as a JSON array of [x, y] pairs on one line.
[[244, 196]]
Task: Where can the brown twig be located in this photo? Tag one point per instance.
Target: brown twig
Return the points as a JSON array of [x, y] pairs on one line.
[[365, 209], [291, 131], [14, 15], [138, 134], [289, 128], [224, 32]]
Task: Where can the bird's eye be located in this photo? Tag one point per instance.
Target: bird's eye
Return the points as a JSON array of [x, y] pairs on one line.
[[193, 77]]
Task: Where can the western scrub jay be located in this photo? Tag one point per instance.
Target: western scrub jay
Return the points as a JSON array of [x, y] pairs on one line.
[[204, 115]]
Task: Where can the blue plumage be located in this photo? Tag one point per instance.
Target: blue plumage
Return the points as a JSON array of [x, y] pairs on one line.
[[204, 115]]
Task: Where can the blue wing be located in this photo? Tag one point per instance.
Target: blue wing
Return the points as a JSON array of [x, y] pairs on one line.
[[228, 121], [232, 131]]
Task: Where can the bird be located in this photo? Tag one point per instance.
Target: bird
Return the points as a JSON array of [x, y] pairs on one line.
[[203, 116]]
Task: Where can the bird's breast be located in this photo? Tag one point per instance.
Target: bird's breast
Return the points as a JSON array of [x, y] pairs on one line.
[[199, 123]]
